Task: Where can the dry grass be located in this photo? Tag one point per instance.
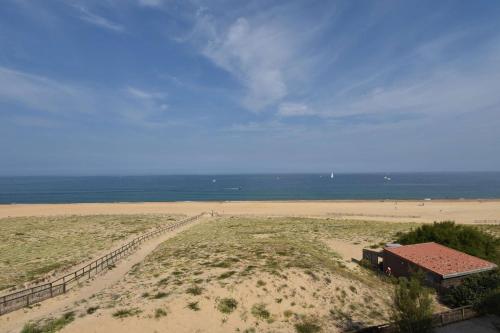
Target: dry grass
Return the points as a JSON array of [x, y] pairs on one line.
[[232, 248], [248, 274], [276, 271], [31, 247]]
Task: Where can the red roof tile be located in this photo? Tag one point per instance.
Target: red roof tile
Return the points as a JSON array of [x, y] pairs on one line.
[[441, 259]]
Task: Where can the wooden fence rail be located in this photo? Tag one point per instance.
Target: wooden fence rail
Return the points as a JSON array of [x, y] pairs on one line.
[[29, 296], [438, 320]]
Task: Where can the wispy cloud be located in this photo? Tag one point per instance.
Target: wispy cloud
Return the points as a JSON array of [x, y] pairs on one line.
[[143, 94], [262, 53], [26, 91], [41, 93], [255, 55], [154, 99], [99, 21], [295, 109], [151, 3], [454, 88]]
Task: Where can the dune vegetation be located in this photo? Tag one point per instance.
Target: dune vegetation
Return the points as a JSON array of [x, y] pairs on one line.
[[32, 247], [254, 273], [251, 274]]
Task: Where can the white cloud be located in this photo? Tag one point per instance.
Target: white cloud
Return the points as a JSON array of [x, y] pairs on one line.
[[295, 109], [256, 53], [143, 94], [272, 53], [99, 21]]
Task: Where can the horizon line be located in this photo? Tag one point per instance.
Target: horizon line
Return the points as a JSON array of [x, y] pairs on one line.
[[274, 173]]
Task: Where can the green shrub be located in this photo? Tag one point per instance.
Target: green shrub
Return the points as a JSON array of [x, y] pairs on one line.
[[194, 306], [92, 309], [160, 294], [260, 311], [412, 307], [491, 303], [50, 325], [160, 313], [194, 290], [475, 290], [227, 305], [123, 313], [307, 327], [225, 275]]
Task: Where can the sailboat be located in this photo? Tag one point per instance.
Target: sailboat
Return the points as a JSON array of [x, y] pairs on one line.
[[332, 176]]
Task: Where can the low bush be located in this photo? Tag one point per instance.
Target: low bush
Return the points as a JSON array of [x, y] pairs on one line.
[[307, 326], [480, 290], [123, 313], [160, 313], [194, 290], [194, 306], [50, 325], [227, 305], [412, 307], [260, 311]]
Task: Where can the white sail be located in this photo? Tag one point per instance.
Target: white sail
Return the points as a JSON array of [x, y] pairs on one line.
[[331, 176]]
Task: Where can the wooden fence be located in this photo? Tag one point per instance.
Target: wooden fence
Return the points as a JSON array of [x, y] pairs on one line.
[[438, 320], [29, 296]]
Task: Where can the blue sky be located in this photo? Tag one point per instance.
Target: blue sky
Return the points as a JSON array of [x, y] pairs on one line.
[[169, 87]]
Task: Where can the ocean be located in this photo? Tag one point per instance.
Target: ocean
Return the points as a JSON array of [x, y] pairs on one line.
[[44, 189]]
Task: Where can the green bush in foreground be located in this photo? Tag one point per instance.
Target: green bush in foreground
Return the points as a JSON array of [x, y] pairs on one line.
[[50, 325], [464, 238], [491, 303], [481, 290], [412, 307]]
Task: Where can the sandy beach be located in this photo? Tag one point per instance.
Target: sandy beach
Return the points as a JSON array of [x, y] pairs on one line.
[[460, 211]]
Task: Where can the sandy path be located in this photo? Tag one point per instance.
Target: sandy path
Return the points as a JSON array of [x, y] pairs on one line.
[[14, 321], [460, 211]]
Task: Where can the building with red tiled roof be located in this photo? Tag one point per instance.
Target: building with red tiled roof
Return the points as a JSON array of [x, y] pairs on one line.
[[442, 266]]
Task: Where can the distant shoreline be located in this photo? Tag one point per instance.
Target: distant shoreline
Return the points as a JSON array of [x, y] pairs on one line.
[[266, 201], [420, 211]]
